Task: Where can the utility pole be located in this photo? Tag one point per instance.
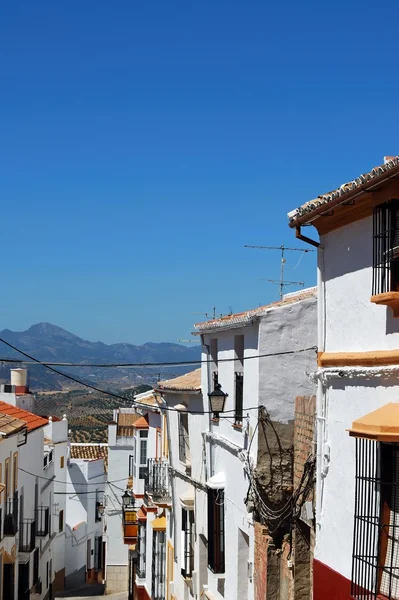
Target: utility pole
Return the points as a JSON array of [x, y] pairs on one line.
[[281, 283]]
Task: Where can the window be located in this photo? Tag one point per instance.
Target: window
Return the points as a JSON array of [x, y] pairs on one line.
[[15, 471], [239, 398], [131, 465], [143, 469], [99, 506], [375, 561], [216, 530], [386, 248], [158, 450], [184, 442], [158, 565], [187, 525], [62, 462], [141, 550], [165, 450], [98, 553], [35, 566], [214, 364], [7, 478], [61, 521]]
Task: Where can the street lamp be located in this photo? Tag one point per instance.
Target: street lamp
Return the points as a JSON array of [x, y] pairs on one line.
[[100, 508], [127, 499], [217, 399]]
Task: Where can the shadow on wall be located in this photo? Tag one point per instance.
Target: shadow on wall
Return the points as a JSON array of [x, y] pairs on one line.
[[346, 255]]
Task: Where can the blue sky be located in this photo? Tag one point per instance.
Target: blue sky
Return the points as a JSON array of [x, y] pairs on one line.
[[143, 144]]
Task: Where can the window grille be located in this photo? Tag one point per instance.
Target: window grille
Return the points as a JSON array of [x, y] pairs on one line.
[[188, 542], [158, 565], [386, 248], [375, 563], [216, 530], [239, 397], [141, 567], [184, 443]]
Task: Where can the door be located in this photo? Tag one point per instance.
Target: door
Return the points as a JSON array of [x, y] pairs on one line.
[[8, 580], [23, 581]]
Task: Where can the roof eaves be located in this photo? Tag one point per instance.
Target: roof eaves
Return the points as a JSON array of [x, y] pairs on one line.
[[308, 211]]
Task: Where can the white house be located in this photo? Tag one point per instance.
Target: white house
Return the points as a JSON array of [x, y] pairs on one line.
[[85, 544], [186, 535], [259, 360], [357, 492]]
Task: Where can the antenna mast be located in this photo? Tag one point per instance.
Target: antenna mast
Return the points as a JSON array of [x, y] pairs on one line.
[[282, 284]]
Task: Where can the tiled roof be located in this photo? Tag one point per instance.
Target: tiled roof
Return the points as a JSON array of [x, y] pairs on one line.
[[246, 318], [32, 421], [149, 399], [142, 423], [90, 452], [10, 425], [190, 382], [126, 419], [347, 189]]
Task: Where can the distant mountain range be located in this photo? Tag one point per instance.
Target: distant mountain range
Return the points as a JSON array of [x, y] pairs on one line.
[[48, 342]]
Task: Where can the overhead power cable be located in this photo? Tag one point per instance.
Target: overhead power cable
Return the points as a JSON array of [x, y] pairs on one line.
[[135, 402]]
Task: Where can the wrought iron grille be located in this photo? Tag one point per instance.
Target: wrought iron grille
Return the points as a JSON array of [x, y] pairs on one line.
[[11, 515], [27, 533], [188, 550], [42, 521], [141, 550], [216, 530], [375, 564], [158, 565], [386, 248], [239, 394], [157, 482]]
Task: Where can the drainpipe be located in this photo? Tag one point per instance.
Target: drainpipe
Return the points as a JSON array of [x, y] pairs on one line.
[[320, 395], [172, 479]]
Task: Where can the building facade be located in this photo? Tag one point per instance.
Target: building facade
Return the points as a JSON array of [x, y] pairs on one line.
[[356, 554]]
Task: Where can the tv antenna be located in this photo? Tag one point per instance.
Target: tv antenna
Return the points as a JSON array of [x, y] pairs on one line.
[[281, 283], [188, 341], [207, 315]]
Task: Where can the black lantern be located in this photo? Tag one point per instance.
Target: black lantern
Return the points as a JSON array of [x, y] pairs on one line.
[[127, 499], [217, 398]]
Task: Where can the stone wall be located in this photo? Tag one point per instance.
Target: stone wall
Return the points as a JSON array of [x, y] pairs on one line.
[[117, 578]]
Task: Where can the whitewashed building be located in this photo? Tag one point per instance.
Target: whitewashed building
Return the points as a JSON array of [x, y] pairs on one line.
[[357, 494], [259, 358]]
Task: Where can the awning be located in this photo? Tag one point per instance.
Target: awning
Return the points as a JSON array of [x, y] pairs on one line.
[[217, 481], [381, 424], [159, 524], [187, 498]]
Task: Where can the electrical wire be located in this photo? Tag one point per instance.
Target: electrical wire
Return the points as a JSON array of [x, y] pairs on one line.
[[67, 482], [135, 402], [181, 363]]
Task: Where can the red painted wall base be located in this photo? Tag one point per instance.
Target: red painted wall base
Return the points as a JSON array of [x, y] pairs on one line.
[[328, 584]]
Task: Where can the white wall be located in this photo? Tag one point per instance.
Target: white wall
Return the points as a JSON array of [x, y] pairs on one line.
[[353, 323]]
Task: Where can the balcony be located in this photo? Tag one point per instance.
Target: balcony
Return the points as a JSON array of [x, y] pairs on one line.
[[157, 483], [42, 521], [11, 515], [27, 534]]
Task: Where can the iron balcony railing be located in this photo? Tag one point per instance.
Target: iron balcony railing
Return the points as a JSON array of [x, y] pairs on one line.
[[42, 521], [11, 515], [157, 483], [27, 534]]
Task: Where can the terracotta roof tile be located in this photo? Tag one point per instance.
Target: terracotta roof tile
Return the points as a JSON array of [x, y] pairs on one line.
[[10, 425], [32, 421], [142, 423], [346, 189], [90, 452], [246, 317], [148, 399], [127, 419], [189, 382]]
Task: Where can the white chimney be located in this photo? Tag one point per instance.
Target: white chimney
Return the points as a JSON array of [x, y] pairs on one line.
[[19, 377]]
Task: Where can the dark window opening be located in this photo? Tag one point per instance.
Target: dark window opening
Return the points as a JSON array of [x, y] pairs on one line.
[[184, 442], [187, 526], [386, 248], [216, 530], [215, 379], [141, 550], [158, 565], [61, 521], [239, 398]]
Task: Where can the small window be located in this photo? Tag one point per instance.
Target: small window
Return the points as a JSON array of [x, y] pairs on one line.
[[239, 398], [61, 521], [184, 442], [7, 478], [216, 530], [15, 471], [62, 462], [187, 525], [386, 248]]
